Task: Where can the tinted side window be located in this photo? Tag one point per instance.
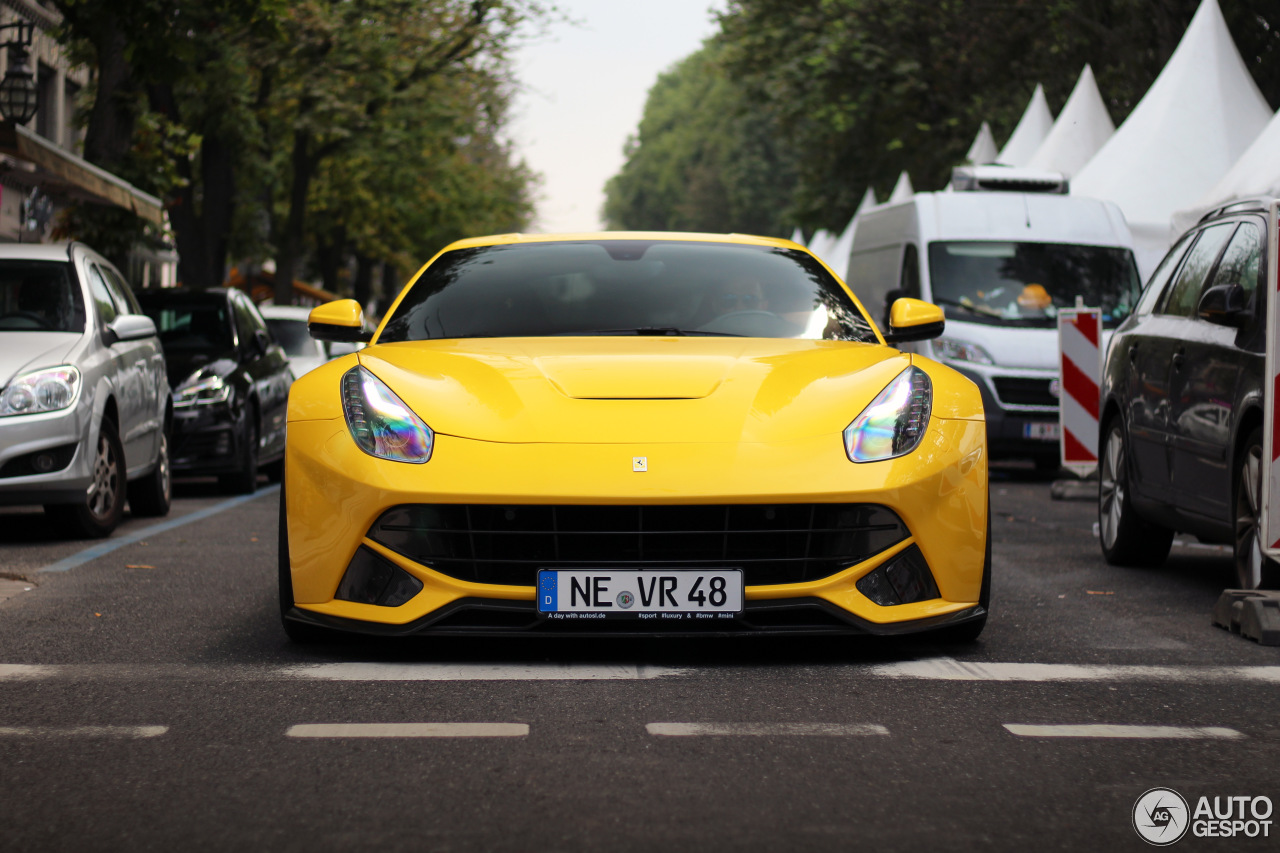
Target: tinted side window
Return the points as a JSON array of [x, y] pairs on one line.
[[1242, 261], [102, 298], [1185, 295], [1159, 278], [910, 284], [244, 321]]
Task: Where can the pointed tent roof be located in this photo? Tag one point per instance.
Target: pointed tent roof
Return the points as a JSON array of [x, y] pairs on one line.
[[822, 242], [1082, 128], [983, 149], [1032, 128], [1195, 121], [902, 190], [1256, 173], [839, 260], [797, 236]]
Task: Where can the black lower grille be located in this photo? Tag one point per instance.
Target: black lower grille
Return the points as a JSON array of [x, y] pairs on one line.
[[771, 543], [1022, 391]]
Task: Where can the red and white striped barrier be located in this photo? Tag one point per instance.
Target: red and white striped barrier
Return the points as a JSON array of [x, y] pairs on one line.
[[1080, 366], [1271, 418]]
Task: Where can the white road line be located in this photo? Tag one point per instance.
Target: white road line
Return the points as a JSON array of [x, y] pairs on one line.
[[765, 729], [21, 671], [83, 731], [1096, 731], [403, 730], [478, 672], [947, 669]]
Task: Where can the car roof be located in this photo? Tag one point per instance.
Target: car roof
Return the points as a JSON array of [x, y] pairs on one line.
[[36, 251], [284, 312], [684, 236]]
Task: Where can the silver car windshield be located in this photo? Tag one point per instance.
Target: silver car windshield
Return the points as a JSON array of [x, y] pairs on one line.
[[40, 296], [1024, 284], [627, 287]]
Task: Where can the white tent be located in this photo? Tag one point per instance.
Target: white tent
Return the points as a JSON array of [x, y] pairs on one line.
[[983, 149], [1197, 119], [839, 255], [822, 242], [797, 236], [1256, 173], [1032, 128], [902, 190], [1082, 128]]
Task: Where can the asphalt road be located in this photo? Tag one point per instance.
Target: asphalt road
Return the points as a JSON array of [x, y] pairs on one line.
[[150, 701]]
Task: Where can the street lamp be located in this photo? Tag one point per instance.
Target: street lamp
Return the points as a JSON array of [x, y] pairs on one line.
[[18, 96]]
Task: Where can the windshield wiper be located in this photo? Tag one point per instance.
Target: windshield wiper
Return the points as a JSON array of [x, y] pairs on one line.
[[655, 331], [974, 309]]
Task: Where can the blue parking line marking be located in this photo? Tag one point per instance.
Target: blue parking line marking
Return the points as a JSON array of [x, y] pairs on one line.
[[548, 597], [90, 554]]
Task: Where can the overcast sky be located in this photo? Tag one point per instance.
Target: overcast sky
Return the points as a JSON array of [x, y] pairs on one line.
[[584, 92]]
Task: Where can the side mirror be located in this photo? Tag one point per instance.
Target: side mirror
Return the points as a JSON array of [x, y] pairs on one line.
[[129, 327], [1225, 305], [341, 321], [914, 320]]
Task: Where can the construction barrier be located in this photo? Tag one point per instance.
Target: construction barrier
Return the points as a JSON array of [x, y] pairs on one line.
[[1080, 366]]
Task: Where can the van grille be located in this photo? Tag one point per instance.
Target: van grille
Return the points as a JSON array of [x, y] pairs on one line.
[[1022, 391], [771, 543]]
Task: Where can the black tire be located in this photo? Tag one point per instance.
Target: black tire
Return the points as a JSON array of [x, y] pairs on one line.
[[103, 506], [1254, 570], [152, 494], [1126, 538], [298, 632], [968, 632], [244, 481]]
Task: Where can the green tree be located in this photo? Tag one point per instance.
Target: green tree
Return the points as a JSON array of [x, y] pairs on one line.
[[705, 158]]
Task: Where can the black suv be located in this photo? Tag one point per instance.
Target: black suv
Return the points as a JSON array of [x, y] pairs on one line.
[[230, 383], [1182, 401]]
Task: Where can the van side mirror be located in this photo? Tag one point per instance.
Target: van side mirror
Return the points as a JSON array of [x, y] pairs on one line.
[[341, 321], [914, 320], [1225, 305]]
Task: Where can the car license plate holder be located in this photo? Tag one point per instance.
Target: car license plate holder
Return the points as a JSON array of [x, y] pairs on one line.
[[664, 594], [1041, 430]]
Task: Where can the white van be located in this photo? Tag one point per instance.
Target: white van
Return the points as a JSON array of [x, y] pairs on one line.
[[1001, 253]]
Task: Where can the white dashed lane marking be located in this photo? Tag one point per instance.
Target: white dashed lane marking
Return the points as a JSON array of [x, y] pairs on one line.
[[947, 669], [407, 730], [83, 731], [765, 729], [1137, 732]]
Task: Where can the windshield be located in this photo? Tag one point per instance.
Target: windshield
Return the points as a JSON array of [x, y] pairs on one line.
[[193, 321], [293, 336], [1024, 284], [621, 287], [40, 296]]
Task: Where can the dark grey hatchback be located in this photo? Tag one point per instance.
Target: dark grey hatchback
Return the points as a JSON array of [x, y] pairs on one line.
[[1181, 402]]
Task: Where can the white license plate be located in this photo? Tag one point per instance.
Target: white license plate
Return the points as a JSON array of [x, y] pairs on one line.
[[662, 594], [1044, 431]]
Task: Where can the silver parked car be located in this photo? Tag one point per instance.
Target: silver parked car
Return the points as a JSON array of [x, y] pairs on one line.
[[84, 400]]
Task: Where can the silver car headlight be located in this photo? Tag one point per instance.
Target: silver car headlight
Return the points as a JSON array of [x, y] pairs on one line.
[[45, 390], [202, 392], [894, 422], [379, 421]]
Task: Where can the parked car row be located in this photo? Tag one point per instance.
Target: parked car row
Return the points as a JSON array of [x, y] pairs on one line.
[[106, 394]]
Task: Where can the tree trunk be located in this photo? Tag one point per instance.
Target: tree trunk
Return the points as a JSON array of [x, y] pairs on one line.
[[363, 288], [291, 240], [217, 176], [109, 134], [390, 287]]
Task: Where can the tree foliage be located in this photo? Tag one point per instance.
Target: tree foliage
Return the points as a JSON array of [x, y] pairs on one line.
[[857, 91]]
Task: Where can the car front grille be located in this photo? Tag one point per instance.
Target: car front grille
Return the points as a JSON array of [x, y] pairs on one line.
[[1022, 391], [771, 543]]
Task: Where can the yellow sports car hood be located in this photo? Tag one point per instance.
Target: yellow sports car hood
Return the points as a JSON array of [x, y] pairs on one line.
[[635, 389]]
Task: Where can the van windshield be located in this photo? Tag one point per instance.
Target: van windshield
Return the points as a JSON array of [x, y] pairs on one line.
[[1025, 284]]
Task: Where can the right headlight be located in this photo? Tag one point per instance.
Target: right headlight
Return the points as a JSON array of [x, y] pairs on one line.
[[380, 422], [41, 391], [894, 422], [950, 349]]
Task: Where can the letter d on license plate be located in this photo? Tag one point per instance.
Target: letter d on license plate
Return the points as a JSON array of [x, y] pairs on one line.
[[633, 594]]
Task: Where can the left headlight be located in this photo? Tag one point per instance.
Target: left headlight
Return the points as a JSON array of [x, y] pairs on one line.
[[379, 421], [201, 392], [41, 391], [894, 422]]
